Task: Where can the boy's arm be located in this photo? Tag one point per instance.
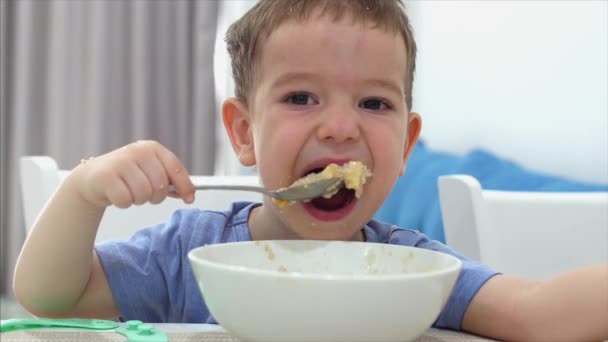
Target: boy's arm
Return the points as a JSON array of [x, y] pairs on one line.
[[58, 273], [572, 306]]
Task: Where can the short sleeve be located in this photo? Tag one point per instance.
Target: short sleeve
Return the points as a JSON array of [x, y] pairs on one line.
[[150, 275], [141, 272], [472, 277]]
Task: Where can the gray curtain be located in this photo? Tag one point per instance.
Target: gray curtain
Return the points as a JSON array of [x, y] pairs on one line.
[[80, 78]]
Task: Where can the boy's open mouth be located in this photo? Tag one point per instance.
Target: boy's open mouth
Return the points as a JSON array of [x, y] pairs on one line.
[[338, 201], [333, 208]]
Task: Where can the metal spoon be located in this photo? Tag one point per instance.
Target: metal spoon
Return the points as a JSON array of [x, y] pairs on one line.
[[295, 192]]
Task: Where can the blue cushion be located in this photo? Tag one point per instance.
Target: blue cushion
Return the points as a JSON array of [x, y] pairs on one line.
[[414, 202]]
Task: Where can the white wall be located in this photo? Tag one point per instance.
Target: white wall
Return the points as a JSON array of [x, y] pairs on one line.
[[226, 161], [526, 80]]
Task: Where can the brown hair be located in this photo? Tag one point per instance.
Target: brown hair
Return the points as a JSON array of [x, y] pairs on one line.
[[246, 34]]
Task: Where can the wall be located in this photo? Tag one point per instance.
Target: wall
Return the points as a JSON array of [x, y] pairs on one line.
[[226, 162], [525, 80]]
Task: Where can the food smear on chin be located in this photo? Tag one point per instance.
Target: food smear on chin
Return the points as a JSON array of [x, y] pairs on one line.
[[354, 175]]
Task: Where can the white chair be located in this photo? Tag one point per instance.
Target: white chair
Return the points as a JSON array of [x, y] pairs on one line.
[[530, 234], [40, 177]]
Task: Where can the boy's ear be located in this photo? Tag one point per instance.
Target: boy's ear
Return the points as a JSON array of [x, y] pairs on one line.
[[238, 126], [414, 126]]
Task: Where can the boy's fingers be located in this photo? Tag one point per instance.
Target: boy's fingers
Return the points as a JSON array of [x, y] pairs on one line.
[[155, 171], [159, 181], [119, 194], [177, 174], [138, 183], [174, 194]]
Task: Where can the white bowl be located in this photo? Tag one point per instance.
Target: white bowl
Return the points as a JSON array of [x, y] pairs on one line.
[[323, 291]]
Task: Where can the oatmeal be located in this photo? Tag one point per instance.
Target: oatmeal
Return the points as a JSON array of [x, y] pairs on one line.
[[353, 173]]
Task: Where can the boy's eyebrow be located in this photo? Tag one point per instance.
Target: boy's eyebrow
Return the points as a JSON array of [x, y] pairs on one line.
[[291, 76], [386, 84]]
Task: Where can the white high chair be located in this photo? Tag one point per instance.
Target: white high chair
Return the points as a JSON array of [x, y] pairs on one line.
[[40, 177], [530, 234]]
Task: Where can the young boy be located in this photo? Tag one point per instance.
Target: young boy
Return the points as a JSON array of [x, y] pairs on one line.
[[317, 82]]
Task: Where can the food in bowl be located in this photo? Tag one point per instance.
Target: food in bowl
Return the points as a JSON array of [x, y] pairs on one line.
[[353, 173], [301, 290]]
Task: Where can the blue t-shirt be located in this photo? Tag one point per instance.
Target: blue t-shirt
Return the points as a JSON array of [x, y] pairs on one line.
[[152, 281]]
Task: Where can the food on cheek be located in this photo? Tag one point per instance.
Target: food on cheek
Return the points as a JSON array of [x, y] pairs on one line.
[[354, 175]]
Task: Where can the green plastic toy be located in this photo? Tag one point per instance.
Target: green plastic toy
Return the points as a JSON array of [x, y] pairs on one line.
[[134, 331], [32, 323]]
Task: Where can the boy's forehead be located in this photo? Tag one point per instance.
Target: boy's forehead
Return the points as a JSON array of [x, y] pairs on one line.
[[310, 43], [318, 17]]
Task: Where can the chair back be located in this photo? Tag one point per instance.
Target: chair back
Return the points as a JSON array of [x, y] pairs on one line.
[[530, 234]]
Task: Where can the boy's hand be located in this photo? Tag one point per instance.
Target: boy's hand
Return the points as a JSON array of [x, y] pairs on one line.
[[134, 174]]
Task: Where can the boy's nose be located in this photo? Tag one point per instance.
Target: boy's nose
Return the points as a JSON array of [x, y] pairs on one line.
[[339, 126]]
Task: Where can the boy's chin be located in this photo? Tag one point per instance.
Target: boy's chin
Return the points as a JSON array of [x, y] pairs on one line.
[[306, 222], [308, 227]]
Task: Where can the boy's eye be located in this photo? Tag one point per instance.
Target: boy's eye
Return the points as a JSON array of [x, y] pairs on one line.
[[300, 99], [375, 104]]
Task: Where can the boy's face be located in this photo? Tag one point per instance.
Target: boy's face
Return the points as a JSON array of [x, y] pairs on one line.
[[325, 92]]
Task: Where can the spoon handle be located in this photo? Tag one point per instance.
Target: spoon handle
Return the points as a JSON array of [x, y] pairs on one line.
[[226, 187]]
